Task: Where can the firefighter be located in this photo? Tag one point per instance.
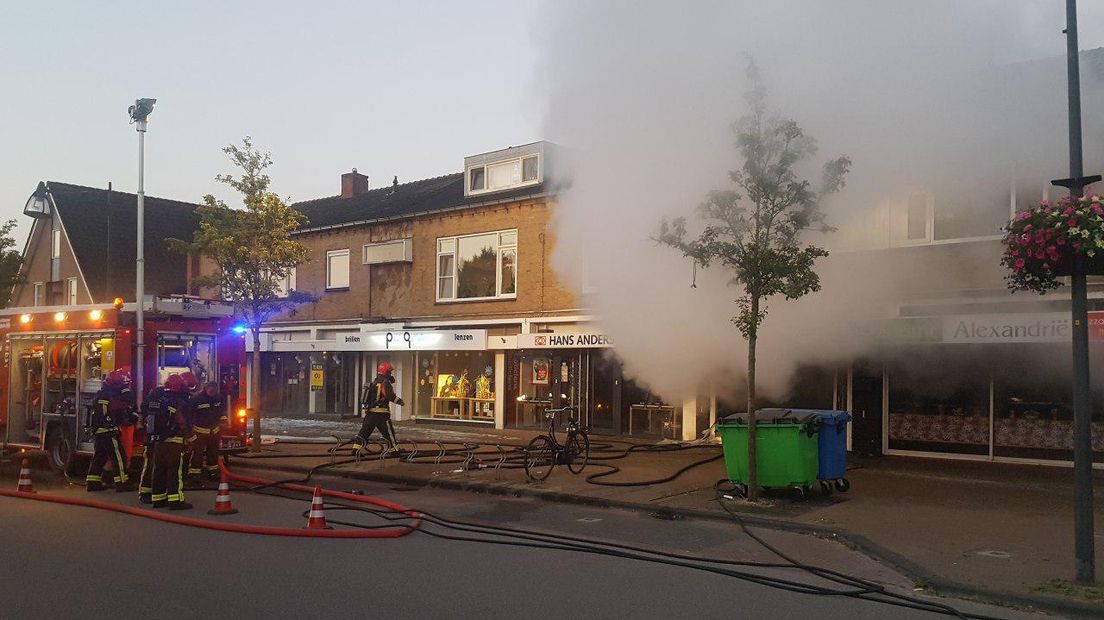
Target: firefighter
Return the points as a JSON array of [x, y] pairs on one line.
[[112, 407], [173, 428], [376, 401], [190, 381], [151, 408], [209, 411]]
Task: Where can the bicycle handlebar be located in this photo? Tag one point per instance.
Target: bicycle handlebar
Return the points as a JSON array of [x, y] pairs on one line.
[[548, 413]]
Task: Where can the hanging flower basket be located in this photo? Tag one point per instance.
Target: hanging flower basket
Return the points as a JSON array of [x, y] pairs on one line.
[[1041, 243]]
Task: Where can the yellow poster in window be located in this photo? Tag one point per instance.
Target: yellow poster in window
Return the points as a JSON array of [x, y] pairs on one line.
[[318, 377]]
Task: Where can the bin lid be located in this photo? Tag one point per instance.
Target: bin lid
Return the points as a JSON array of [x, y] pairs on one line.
[[833, 417], [773, 416]]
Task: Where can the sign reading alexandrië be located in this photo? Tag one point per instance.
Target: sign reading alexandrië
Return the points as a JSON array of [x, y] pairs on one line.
[[589, 339], [1032, 327]]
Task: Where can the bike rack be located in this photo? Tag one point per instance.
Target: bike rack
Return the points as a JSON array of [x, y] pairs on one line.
[[413, 450], [469, 455], [502, 452], [440, 453]]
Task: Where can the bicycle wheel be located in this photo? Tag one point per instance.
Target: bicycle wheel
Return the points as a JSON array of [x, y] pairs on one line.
[[577, 452], [540, 458]]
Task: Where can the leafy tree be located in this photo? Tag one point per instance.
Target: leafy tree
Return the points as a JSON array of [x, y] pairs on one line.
[[11, 260], [755, 228], [252, 250]]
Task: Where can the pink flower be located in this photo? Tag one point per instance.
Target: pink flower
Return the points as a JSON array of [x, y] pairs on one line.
[[1023, 215], [1027, 227], [1061, 241], [1015, 253], [1068, 212], [1039, 254], [1019, 264], [1097, 209], [1072, 222]]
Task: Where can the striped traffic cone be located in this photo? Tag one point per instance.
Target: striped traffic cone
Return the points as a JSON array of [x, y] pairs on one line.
[[222, 498], [25, 478], [317, 518]]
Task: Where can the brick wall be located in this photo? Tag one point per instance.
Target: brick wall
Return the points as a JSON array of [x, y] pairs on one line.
[[36, 268], [408, 290]]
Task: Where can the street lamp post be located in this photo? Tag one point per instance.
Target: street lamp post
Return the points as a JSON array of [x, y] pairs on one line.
[[1084, 545], [138, 114]]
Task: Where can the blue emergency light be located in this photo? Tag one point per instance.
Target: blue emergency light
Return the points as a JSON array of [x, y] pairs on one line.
[[238, 329]]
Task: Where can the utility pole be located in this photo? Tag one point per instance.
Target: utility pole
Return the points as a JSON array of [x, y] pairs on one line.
[[138, 114], [1084, 545]]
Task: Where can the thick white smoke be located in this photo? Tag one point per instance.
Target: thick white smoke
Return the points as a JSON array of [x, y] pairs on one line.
[[945, 95]]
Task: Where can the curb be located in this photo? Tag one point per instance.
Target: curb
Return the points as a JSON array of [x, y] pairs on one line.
[[930, 580]]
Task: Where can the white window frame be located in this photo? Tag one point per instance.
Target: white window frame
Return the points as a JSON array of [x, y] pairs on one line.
[[330, 255], [39, 291], [485, 166], [55, 243], [499, 248], [70, 291], [407, 251], [286, 284]]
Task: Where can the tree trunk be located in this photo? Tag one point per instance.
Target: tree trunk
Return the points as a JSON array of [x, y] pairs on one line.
[[753, 464], [255, 388]]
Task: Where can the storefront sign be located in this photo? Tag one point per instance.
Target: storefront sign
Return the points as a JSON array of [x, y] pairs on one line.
[[5, 323], [591, 339], [318, 377], [1040, 327], [1006, 328], [413, 340]]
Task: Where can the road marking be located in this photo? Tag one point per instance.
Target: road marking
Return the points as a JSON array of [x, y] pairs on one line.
[[588, 520]]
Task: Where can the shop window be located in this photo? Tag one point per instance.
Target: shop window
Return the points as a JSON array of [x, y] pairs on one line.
[[1033, 412], [456, 385], [482, 266], [337, 269], [939, 402]]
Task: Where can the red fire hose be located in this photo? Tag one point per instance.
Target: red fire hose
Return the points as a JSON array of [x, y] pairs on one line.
[[264, 530]]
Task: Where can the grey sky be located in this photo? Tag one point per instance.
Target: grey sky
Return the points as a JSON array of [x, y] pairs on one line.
[[386, 87]]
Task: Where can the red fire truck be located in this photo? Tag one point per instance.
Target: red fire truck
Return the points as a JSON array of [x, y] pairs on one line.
[[54, 360]]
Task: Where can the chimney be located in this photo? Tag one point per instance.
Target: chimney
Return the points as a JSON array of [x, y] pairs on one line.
[[353, 184]]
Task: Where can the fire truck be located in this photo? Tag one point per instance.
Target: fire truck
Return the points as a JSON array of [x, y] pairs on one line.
[[55, 359]]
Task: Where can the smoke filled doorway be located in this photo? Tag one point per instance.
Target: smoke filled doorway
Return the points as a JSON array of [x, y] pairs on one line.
[[866, 406]]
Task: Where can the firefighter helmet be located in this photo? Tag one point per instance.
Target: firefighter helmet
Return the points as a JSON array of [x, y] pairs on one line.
[[117, 378], [174, 383], [385, 368], [189, 379]]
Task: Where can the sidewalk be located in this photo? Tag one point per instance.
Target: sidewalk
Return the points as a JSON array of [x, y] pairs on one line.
[[1006, 529]]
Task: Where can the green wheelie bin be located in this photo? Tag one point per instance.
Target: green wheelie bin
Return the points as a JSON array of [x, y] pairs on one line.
[[787, 452]]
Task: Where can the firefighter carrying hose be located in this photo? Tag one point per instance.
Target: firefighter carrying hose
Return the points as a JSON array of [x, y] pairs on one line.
[[209, 411], [173, 429], [376, 401], [111, 408]]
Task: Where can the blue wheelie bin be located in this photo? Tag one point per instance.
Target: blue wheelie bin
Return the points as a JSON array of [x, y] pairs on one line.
[[832, 449]]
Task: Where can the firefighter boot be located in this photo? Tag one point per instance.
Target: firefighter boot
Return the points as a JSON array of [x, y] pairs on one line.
[[145, 498], [94, 486], [181, 505]]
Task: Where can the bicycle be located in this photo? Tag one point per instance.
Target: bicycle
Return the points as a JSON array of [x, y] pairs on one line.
[[544, 452]]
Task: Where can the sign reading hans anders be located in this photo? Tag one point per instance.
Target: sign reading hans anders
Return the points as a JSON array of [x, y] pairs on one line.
[[569, 340]]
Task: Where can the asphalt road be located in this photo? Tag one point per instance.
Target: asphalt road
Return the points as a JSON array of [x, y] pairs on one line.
[[71, 562]]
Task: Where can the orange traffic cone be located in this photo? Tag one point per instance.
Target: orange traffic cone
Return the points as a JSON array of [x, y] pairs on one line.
[[25, 478], [222, 499], [317, 518]]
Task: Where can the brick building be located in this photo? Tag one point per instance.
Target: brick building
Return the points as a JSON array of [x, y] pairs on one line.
[[449, 279]]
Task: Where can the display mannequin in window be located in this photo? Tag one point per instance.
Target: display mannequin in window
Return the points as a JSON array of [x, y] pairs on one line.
[[375, 402]]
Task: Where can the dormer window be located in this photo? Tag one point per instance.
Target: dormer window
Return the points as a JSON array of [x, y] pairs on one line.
[[477, 179], [504, 175], [506, 169]]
